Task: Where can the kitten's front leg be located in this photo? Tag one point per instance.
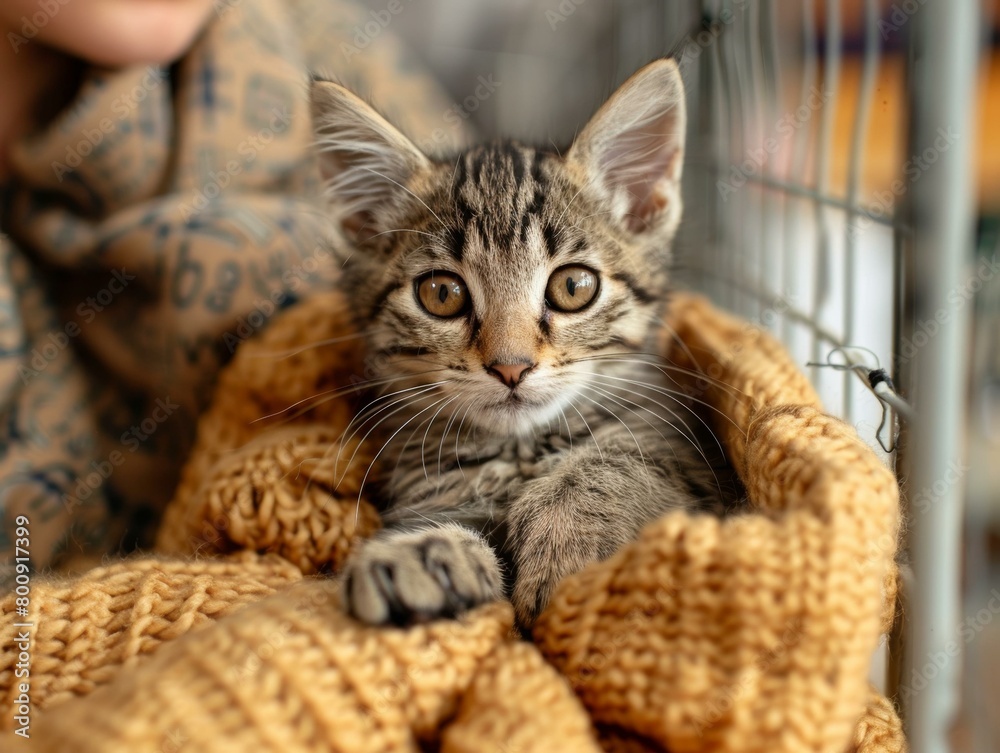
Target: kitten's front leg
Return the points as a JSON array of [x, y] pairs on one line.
[[585, 511], [408, 575]]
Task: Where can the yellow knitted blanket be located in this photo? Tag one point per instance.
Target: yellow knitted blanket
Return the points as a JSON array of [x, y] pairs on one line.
[[749, 633]]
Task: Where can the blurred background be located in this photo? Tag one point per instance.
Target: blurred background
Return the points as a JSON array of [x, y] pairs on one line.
[[843, 191]]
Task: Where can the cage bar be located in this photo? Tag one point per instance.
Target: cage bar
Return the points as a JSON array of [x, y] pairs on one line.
[[943, 76]]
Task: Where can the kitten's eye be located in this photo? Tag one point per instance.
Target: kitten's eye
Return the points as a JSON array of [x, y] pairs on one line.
[[571, 288], [442, 294]]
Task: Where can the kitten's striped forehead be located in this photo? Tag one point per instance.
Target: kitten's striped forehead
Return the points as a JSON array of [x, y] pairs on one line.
[[505, 199], [498, 190]]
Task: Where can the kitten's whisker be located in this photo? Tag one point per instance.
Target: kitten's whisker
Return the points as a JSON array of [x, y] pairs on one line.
[[369, 412], [570, 204], [423, 442], [458, 435], [412, 511], [642, 395], [425, 360], [372, 408], [400, 230], [587, 217], [403, 402], [330, 394], [406, 400], [586, 423], [364, 415], [282, 354], [678, 398], [386, 177], [444, 436], [677, 338], [402, 451], [340, 445], [649, 481], [691, 436], [678, 395], [475, 443], [321, 400], [663, 367], [454, 174], [613, 397], [385, 444], [569, 429], [692, 439]]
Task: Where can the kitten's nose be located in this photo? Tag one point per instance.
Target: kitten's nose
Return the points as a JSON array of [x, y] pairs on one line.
[[510, 374]]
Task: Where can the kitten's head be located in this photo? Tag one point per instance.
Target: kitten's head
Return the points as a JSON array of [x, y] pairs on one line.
[[503, 271]]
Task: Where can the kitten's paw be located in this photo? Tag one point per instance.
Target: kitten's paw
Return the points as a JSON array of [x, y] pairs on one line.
[[405, 577]]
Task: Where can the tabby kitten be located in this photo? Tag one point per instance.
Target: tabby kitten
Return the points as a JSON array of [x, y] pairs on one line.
[[511, 295]]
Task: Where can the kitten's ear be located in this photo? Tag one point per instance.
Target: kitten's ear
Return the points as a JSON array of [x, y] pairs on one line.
[[633, 148], [365, 161]]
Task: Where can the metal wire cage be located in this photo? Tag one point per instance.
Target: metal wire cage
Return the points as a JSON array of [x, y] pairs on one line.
[[833, 204], [829, 199]]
